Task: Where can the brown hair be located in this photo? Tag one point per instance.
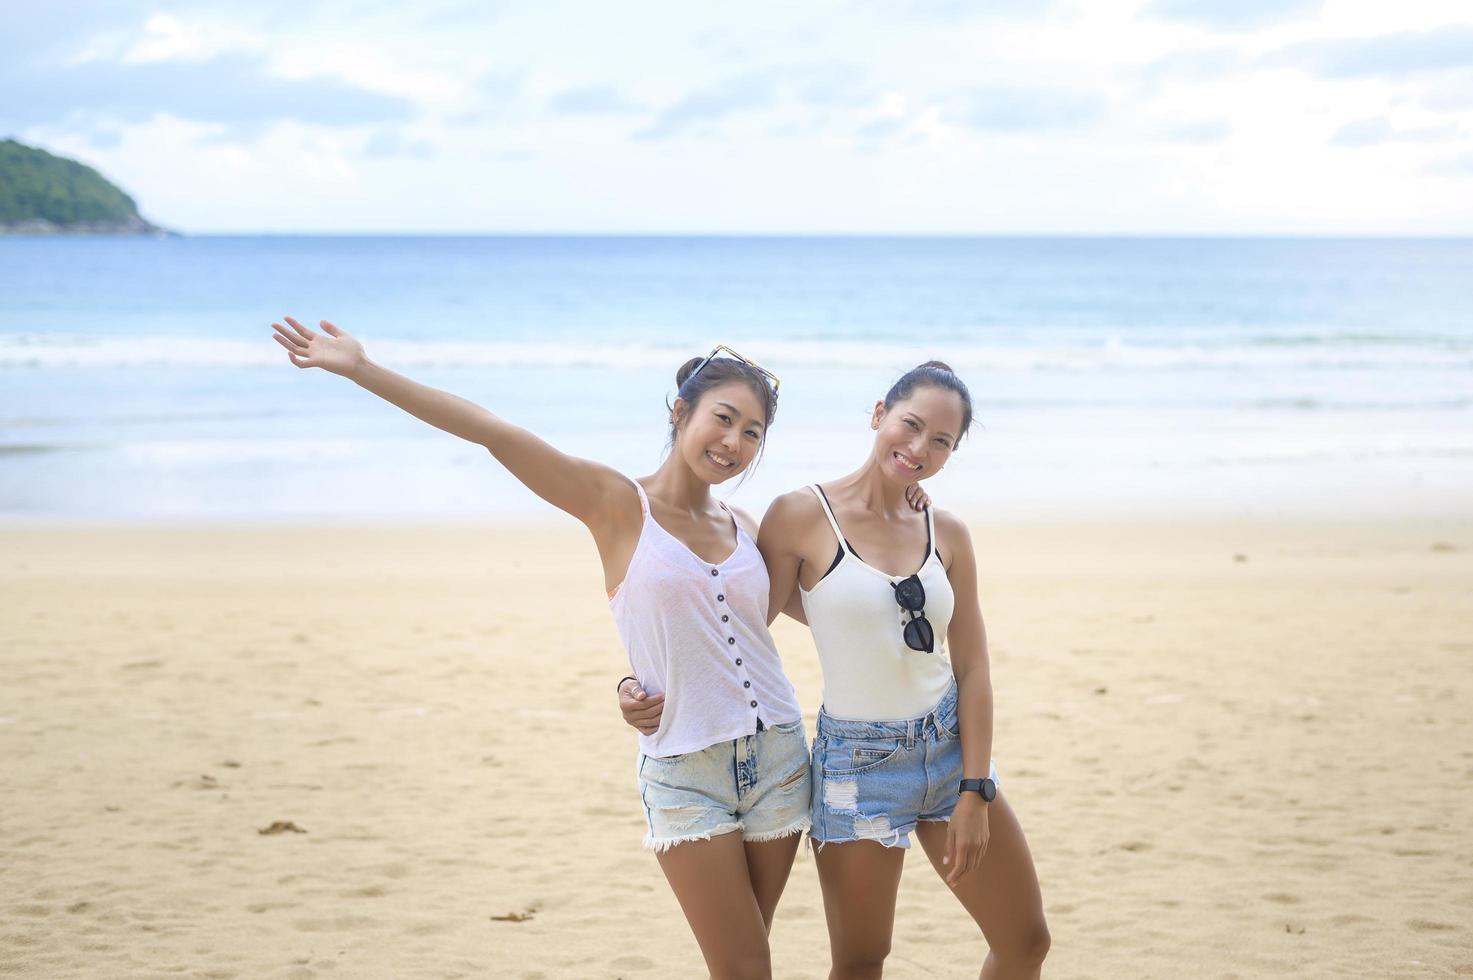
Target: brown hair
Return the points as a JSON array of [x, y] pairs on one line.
[[692, 385]]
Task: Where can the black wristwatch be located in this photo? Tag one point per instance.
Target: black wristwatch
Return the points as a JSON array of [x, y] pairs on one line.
[[984, 786]]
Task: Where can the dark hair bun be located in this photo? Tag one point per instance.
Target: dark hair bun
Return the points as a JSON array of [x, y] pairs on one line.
[[686, 369], [938, 365]]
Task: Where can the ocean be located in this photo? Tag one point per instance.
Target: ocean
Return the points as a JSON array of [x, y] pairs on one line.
[[1221, 376]]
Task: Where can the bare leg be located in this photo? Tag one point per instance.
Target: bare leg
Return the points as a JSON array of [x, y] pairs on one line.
[[768, 866], [860, 880], [714, 884], [1002, 894]]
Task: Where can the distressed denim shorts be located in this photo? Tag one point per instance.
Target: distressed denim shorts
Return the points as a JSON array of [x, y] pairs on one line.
[[873, 780], [758, 784]]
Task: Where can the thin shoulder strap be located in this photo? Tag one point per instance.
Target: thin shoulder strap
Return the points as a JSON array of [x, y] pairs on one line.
[[644, 502], [823, 501], [731, 516], [930, 533]]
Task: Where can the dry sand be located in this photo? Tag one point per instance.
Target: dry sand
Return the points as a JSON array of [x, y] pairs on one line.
[[1238, 749]]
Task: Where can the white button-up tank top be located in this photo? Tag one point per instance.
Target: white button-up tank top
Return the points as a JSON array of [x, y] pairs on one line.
[[697, 632]]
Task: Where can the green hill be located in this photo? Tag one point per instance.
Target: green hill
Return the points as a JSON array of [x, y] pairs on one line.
[[41, 193]]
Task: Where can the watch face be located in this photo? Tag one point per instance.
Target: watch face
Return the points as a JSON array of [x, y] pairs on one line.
[[985, 788]]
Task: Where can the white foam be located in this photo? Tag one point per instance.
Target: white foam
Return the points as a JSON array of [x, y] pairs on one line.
[[21, 351]]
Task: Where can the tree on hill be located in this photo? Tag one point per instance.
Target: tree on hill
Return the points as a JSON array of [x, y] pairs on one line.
[[46, 193]]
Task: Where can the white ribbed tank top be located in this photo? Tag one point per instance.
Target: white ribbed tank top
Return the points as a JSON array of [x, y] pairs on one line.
[[697, 632], [868, 672]]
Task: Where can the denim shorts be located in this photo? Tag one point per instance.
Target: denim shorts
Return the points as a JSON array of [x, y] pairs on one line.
[[873, 780], [758, 784]]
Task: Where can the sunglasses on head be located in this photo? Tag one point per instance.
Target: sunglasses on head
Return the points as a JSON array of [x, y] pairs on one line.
[[911, 596], [719, 348]]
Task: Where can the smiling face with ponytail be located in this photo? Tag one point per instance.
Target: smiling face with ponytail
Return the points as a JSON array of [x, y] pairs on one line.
[[922, 418]]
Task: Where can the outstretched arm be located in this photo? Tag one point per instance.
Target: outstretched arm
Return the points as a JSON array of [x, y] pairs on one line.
[[589, 491]]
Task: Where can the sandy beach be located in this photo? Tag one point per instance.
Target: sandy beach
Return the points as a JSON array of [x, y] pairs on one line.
[[1239, 749]]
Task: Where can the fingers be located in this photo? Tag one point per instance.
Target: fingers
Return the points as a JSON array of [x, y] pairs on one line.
[[332, 330], [633, 692], [916, 497], [648, 710], [959, 867], [292, 346], [977, 855], [642, 714], [644, 704], [643, 719], [295, 352], [645, 725], [963, 858], [303, 331]]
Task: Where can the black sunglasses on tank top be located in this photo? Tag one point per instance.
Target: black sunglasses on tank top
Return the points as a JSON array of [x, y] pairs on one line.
[[911, 596]]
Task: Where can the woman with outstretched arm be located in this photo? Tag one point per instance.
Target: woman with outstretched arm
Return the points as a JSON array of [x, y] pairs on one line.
[[725, 778]]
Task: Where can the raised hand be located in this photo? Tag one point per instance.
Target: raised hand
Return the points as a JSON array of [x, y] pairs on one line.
[[337, 352]]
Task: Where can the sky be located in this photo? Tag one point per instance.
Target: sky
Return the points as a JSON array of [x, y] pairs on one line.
[[863, 116]]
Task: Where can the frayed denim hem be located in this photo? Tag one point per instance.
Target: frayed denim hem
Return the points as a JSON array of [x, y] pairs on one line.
[[665, 843], [894, 838], [795, 828]]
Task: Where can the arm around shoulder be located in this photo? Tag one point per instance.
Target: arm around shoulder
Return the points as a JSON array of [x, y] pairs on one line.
[[782, 528]]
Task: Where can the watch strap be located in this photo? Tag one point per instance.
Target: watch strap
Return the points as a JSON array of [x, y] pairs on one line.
[[985, 788]]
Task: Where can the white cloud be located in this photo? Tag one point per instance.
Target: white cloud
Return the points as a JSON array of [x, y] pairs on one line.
[[1378, 129], [167, 39], [931, 115], [1199, 131], [1232, 14]]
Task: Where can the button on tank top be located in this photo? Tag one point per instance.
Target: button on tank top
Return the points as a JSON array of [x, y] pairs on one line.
[[868, 672], [696, 631]]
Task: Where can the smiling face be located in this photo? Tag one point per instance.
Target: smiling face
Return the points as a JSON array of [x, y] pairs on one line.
[[720, 435], [916, 436]]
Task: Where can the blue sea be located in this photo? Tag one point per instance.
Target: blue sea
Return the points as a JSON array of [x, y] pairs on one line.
[[1228, 376]]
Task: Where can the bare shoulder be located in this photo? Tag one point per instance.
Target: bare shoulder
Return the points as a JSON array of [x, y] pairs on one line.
[[621, 494], [953, 538], [791, 510], [746, 520]]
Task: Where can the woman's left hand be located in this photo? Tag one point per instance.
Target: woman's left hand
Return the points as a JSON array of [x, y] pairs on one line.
[[917, 498], [966, 837]]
